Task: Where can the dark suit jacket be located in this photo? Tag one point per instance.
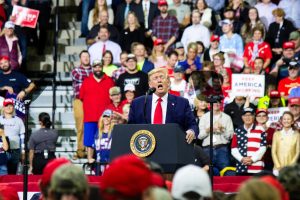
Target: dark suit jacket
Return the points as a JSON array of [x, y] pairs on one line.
[[153, 12], [178, 111]]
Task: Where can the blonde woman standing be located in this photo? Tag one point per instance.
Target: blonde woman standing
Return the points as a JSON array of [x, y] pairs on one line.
[[286, 143]]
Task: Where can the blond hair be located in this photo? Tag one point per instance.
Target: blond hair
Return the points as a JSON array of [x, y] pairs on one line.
[[137, 24], [97, 11], [101, 128], [156, 70]]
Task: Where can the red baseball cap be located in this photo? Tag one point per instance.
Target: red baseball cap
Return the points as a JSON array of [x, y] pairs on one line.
[[50, 168], [294, 101], [262, 110], [162, 3], [127, 176], [274, 94], [7, 102], [214, 38], [8, 193], [277, 185], [4, 58], [288, 45], [158, 41]]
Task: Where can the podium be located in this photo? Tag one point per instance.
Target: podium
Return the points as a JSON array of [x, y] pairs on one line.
[[171, 149]]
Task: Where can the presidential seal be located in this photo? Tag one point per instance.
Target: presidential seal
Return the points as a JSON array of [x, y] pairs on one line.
[[142, 143]]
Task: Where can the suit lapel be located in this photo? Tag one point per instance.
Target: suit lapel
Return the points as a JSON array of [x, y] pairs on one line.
[[170, 109], [148, 109]]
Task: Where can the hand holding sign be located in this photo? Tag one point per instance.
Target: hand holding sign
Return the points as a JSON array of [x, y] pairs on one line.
[[24, 16]]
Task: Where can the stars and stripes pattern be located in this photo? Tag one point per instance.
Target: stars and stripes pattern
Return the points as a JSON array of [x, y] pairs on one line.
[[248, 144]]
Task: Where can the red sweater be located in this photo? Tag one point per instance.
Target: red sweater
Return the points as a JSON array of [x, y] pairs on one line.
[[95, 97]]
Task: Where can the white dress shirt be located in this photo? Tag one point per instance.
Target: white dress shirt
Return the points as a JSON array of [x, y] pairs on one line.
[[164, 104], [195, 33]]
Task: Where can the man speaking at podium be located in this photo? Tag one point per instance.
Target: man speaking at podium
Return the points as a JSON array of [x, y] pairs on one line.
[[162, 107]]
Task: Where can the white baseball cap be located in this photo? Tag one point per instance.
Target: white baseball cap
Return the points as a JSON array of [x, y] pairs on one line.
[[191, 178], [9, 24], [129, 87]]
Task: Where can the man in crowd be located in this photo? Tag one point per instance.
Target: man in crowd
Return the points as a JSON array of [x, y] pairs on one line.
[[143, 63], [182, 12], [165, 26], [94, 94], [195, 32], [292, 81], [14, 82], [281, 66], [103, 21], [248, 145], [122, 69], [138, 78], [102, 44], [235, 110], [116, 104], [163, 108], [222, 134], [78, 75]]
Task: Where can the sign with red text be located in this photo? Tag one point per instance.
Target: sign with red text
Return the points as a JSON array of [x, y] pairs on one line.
[[275, 114], [25, 17], [248, 85]]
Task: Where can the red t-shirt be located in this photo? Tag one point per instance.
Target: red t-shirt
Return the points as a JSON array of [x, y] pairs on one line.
[[264, 51], [118, 109], [95, 97], [286, 84]]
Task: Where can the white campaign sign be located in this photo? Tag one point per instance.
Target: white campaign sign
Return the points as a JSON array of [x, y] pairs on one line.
[[248, 85], [275, 114]]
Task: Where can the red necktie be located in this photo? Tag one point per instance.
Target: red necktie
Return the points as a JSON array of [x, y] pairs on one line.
[[158, 115], [103, 48]]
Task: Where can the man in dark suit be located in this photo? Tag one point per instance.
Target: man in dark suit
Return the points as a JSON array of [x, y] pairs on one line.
[[163, 108]]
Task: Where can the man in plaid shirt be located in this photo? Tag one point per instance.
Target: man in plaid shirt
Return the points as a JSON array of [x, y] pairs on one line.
[[78, 75], [165, 27]]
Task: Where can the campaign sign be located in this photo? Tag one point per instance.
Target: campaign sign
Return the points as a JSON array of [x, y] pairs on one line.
[[275, 114], [25, 17], [248, 85], [19, 105]]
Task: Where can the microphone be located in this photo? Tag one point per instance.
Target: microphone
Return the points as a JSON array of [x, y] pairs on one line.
[[149, 92]]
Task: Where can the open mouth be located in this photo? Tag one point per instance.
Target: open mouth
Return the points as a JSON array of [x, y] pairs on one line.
[[160, 86]]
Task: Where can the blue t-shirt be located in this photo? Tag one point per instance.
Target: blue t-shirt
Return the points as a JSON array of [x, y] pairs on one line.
[[15, 80], [102, 147]]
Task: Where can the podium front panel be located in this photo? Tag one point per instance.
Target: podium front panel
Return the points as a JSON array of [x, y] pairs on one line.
[[171, 150]]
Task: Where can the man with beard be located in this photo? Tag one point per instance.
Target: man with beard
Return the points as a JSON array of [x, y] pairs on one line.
[[78, 76], [94, 94], [14, 82]]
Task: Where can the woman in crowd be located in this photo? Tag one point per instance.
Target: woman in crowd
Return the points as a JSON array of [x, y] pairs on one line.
[[240, 9], [42, 145], [262, 118], [9, 45], [219, 60], [251, 22], [132, 32], [279, 32], [201, 107], [108, 66], [257, 48], [158, 56], [94, 14], [14, 129], [208, 18], [201, 50], [192, 61], [286, 143], [103, 140], [226, 87]]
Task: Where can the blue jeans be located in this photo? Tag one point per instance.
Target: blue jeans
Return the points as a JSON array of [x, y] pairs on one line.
[[221, 158], [3, 170], [87, 5]]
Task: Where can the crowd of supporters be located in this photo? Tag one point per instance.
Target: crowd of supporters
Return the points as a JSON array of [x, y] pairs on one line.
[[126, 40]]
